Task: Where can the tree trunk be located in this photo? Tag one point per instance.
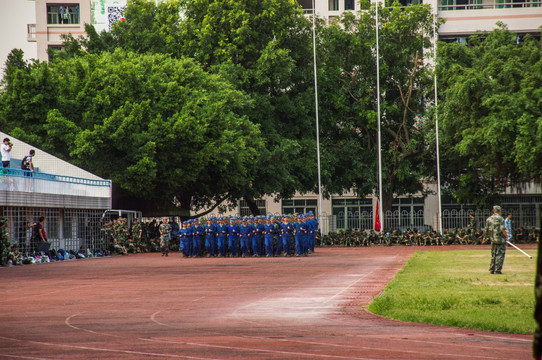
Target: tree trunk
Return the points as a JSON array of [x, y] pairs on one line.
[[252, 206], [387, 201]]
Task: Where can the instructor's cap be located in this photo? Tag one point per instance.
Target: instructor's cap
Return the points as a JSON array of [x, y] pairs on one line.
[[497, 208]]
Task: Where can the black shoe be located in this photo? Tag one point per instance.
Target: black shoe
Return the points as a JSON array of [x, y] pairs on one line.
[[492, 272], [498, 272]]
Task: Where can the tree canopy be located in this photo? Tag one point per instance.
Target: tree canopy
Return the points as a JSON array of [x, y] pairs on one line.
[[162, 129], [349, 108], [491, 114]]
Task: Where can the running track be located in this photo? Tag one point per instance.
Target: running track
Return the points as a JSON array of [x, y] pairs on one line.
[[150, 307]]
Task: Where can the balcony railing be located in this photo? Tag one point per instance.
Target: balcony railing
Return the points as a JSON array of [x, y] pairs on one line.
[[37, 182], [477, 5]]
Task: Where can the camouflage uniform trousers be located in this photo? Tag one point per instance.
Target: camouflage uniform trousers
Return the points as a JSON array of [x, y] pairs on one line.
[[497, 256], [164, 244]]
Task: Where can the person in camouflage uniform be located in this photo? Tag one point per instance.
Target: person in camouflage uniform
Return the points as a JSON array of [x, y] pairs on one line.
[[136, 236], [15, 257], [462, 237], [164, 229], [497, 235], [123, 232], [4, 242]]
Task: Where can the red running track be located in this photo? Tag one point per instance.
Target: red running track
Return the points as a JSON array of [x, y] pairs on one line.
[[151, 307]]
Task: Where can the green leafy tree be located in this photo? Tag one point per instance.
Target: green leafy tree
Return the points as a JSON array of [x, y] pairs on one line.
[[168, 134], [491, 114], [349, 111], [28, 92], [264, 47]]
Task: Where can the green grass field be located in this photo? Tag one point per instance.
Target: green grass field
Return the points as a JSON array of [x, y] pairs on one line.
[[455, 288]]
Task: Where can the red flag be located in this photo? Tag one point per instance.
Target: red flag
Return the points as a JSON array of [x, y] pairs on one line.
[[378, 225]]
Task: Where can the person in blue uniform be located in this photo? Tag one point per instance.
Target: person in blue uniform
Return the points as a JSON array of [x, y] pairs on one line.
[[221, 237], [233, 239], [210, 237], [305, 235], [299, 236], [257, 238], [268, 233], [197, 237], [185, 235], [278, 231], [287, 231], [245, 230], [313, 230]]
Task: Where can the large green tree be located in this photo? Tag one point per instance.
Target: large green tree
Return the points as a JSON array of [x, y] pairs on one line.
[[348, 101], [28, 90], [491, 114], [262, 47], [166, 132]]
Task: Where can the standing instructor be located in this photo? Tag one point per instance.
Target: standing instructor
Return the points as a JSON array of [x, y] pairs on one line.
[[496, 232]]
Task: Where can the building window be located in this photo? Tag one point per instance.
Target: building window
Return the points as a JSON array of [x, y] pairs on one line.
[[333, 5], [299, 206], [349, 5], [63, 14], [31, 32], [244, 210], [461, 4], [305, 4]]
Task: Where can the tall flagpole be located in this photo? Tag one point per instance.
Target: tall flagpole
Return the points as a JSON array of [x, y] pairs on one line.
[[436, 121], [316, 112], [378, 122]]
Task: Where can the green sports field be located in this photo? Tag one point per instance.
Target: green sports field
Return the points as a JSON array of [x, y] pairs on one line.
[[455, 288]]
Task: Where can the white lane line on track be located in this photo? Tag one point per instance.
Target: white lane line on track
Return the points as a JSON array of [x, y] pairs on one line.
[[153, 319], [131, 352], [382, 349], [310, 355], [23, 357], [504, 338], [67, 322], [456, 336]]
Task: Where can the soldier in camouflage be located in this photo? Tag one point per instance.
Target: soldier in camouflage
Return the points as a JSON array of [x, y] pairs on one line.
[[164, 230], [497, 235]]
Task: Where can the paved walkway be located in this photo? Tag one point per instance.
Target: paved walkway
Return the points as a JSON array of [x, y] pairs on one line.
[[151, 307]]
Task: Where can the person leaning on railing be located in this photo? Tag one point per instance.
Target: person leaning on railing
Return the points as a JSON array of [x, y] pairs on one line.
[[27, 164]]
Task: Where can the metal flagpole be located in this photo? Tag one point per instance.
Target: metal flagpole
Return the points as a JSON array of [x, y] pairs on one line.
[[378, 122], [316, 112], [436, 121]]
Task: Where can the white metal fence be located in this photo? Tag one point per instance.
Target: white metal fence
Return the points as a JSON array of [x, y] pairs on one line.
[[526, 216]]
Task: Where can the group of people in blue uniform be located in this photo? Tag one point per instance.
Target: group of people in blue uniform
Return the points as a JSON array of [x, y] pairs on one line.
[[249, 236]]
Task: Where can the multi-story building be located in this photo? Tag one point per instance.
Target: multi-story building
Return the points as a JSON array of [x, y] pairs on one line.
[[57, 18], [463, 17], [54, 18]]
